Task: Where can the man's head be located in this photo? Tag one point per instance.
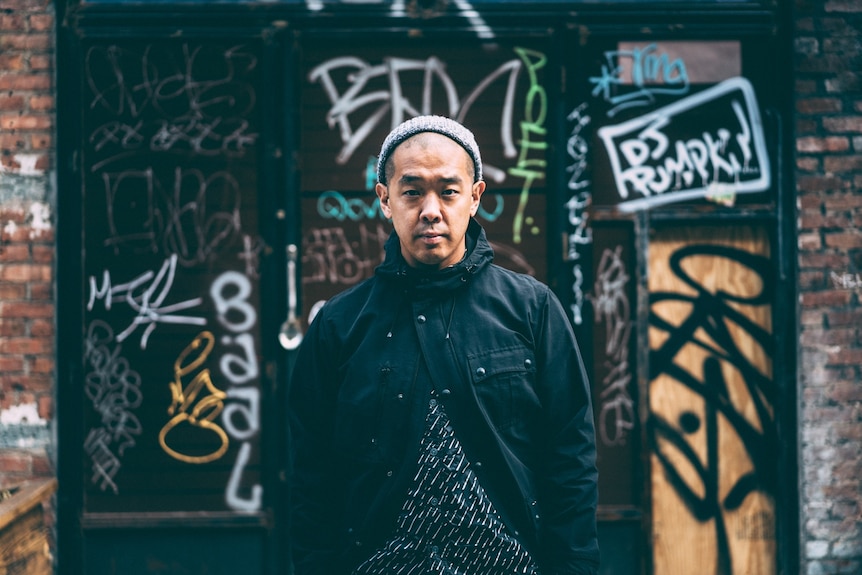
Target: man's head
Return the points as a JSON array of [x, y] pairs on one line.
[[430, 184]]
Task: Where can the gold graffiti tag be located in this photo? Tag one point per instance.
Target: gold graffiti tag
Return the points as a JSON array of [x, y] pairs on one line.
[[210, 399]]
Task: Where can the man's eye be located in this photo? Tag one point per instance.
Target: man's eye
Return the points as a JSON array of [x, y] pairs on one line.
[[411, 192], [450, 192]]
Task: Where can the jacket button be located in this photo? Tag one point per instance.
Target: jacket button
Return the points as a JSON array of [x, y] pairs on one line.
[[528, 363], [477, 464], [420, 318], [480, 372], [445, 392]]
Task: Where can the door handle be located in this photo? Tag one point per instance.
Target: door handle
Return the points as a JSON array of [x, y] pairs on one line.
[[290, 334]]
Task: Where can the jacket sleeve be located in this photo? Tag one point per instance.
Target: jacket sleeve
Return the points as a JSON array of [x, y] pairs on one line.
[[568, 490], [310, 410]]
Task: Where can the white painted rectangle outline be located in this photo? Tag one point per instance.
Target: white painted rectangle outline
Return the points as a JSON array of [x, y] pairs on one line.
[[763, 182]]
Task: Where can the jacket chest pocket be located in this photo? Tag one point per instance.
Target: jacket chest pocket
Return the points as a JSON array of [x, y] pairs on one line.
[[370, 415], [504, 383]]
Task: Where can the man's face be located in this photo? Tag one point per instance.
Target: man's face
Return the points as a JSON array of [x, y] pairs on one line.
[[430, 197]]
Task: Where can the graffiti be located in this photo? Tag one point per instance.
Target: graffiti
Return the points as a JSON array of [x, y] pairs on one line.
[[393, 106], [197, 403], [707, 327], [533, 124], [241, 416], [329, 257], [104, 463], [145, 218], [145, 300], [187, 113], [669, 155], [250, 255], [334, 205], [114, 390], [578, 205], [634, 77], [611, 303], [170, 133], [846, 280], [402, 8]]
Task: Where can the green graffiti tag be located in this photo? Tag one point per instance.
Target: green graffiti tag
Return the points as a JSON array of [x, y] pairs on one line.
[[532, 126]]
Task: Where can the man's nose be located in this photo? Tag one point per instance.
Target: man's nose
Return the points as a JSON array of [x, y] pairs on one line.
[[430, 208]]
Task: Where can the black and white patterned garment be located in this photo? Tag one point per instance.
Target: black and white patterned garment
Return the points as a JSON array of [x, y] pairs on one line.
[[447, 525]]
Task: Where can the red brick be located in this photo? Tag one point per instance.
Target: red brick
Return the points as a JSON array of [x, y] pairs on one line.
[[843, 240], [830, 336], [41, 22], [15, 461], [845, 392], [31, 82], [823, 260], [14, 253], [845, 356], [839, 202], [820, 183], [815, 220], [825, 298], [42, 328], [43, 365], [46, 406], [25, 272], [26, 345], [812, 280], [26, 309], [39, 62], [11, 62], [35, 42], [11, 363], [809, 242], [843, 124], [28, 122], [11, 103], [43, 254], [41, 142], [41, 103], [819, 106], [41, 291], [12, 327], [13, 21], [808, 164], [11, 142], [819, 145], [821, 64], [12, 291], [841, 164]]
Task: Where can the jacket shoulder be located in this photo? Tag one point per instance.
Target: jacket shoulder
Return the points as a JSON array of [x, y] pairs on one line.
[[525, 285]]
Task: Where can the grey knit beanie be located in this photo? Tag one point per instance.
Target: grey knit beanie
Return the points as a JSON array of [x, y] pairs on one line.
[[437, 124]]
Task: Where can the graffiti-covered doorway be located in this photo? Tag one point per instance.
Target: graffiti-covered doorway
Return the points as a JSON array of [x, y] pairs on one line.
[[217, 173]]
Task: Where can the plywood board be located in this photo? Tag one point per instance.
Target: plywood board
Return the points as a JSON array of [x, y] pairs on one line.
[[711, 397]]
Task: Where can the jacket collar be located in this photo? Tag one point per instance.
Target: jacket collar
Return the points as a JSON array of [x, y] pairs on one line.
[[479, 255]]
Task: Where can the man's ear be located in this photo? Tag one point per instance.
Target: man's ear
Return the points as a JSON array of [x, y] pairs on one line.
[[383, 195], [477, 191]]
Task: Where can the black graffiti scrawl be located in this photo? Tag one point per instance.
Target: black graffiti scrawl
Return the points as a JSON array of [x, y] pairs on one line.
[[715, 314]]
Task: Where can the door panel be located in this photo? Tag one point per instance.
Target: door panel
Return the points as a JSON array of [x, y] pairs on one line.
[[712, 400]]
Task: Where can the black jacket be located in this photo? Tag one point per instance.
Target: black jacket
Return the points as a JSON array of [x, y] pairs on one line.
[[501, 354]]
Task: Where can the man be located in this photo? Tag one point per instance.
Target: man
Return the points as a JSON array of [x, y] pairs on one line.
[[440, 413]]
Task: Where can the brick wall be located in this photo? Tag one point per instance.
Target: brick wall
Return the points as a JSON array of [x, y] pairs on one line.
[[828, 62], [26, 238]]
